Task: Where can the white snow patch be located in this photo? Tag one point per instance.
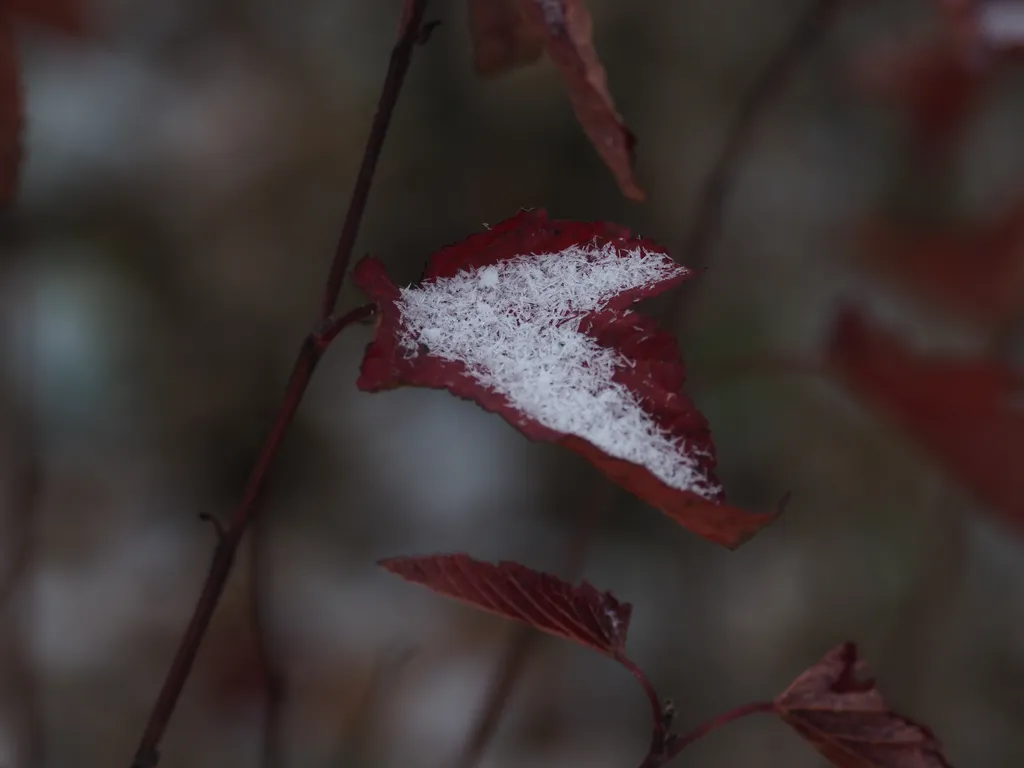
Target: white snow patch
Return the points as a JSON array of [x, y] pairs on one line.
[[515, 326], [1002, 23]]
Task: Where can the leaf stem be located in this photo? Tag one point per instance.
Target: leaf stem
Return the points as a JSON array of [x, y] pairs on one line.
[[682, 742], [660, 715], [411, 33]]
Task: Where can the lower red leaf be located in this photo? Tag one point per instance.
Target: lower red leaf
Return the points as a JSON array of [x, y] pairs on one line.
[[846, 719]]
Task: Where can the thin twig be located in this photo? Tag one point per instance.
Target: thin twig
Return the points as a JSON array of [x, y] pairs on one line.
[[773, 80], [15, 604], [411, 33], [274, 680], [523, 639], [682, 742]]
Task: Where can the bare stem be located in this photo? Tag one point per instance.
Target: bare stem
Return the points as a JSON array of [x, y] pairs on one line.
[[260, 576], [682, 742], [20, 414], [772, 81], [411, 32]]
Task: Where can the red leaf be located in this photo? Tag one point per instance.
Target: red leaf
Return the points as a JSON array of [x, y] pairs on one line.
[[848, 721], [503, 37], [581, 614], [532, 321], [932, 80], [67, 16], [975, 272], [567, 25], [960, 411], [10, 114]]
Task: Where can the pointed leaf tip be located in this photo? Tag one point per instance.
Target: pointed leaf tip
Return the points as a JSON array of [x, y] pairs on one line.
[[581, 614], [845, 718]]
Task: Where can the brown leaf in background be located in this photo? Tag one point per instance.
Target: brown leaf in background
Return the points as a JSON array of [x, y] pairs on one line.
[[511, 33], [10, 114], [974, 272], [581, 614], [60, 15], [962, 412], [67, 16], [847, 720], [503, 37], [570, 45], [931, 80]]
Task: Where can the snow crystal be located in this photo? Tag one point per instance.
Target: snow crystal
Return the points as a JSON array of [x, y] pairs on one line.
[[515, 327]]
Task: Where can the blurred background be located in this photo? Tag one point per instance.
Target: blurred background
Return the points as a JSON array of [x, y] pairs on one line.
[[187, 170]]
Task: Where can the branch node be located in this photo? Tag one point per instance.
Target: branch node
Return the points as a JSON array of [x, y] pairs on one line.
[[218, 527], [146, 758], [427, 31]]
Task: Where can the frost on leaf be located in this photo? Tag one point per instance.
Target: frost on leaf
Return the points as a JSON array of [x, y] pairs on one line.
[[532, 320], [846, 719], [581, 614], [511, 33], [974, 271], [964, 412]]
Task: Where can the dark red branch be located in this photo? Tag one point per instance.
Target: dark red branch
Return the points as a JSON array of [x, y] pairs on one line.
[[661, 715], [682, 742], [411, 32]]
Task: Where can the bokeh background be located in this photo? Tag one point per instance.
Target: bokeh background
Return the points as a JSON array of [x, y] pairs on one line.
[[187, 170]]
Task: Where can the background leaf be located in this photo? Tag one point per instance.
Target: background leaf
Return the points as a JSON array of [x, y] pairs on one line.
[[848, 721], [571, 47], [11, 114], [503, 37], [961, 411]]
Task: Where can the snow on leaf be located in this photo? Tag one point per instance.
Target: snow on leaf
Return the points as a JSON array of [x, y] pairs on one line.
[[846, 719], [532, 320], [503, 36], [962, 412], [581, 614], [975, 271]]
